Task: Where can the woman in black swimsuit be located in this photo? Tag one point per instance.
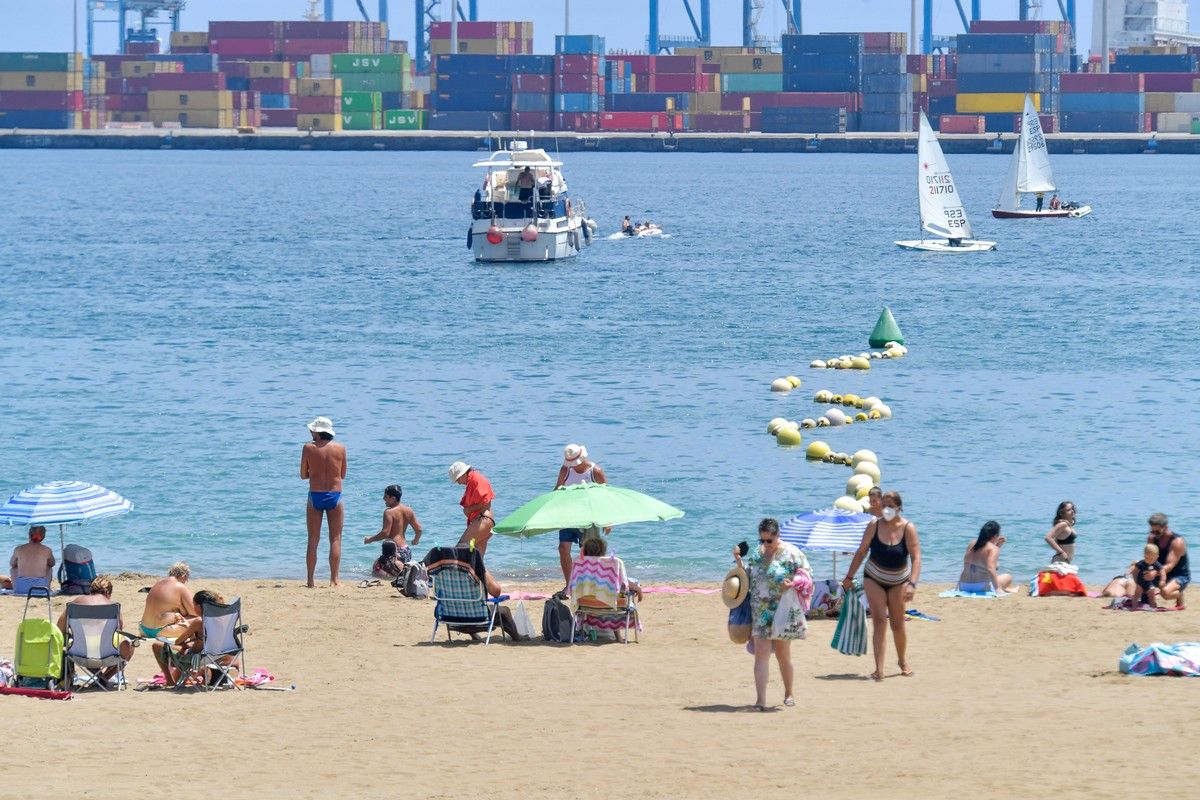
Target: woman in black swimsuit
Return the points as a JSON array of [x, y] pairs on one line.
[[892, 553], [1061, 537]]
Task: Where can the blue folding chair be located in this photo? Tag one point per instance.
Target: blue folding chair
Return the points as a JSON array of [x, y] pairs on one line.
[[462, 603]]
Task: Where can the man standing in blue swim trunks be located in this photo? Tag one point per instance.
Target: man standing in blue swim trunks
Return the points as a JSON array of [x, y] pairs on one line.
[[323, 465]]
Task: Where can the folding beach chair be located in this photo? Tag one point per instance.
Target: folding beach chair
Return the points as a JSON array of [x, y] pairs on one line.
[[600, 597], [223, 651], [461, 595], [92, 644]]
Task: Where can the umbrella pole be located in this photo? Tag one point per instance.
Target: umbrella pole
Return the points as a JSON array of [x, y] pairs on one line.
[[62, 551], [834, 554]]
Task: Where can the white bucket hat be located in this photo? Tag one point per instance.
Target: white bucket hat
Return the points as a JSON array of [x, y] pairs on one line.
[[573, 454], [322, 425], [457, 470]]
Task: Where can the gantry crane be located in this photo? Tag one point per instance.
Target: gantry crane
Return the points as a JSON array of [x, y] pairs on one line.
[[146, 12], [1026, 9]]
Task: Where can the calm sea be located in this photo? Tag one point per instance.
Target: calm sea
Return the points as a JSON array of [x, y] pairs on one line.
[[170, 320]]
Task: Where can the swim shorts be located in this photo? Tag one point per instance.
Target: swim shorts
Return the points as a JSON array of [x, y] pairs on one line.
[[1182, 580], [21, 586], [570, 535], [324, 501]]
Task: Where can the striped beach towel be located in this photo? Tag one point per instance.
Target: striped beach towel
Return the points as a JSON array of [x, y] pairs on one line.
[[850, 636]]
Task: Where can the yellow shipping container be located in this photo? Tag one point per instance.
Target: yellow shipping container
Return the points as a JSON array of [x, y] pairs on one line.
[[194, 117], [319, 122], [319, 87], [766, 62], [189, 39], [920, 83], [41, 81], [995, 103], [704, 102], [130, 116], [712, 55], [176, 100], [270, 69], [135, 69], [96, 86], [1158, 102], [491, 47]]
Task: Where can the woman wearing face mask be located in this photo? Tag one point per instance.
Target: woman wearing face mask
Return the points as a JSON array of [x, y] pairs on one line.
[[892, 553]]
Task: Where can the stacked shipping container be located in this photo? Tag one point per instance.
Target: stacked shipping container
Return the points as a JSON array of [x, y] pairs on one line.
[[887, 87], [41, 90], [579, 69]]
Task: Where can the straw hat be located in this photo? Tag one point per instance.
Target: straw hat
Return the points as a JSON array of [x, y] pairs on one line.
[[321, 425], [457, 470], [573, 454], [735, 587]]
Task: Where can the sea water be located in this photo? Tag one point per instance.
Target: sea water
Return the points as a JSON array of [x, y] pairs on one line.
[[169, 321]]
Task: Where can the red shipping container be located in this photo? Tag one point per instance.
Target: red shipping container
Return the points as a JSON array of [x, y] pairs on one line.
[[586, 65], [1049, 123], [921, 101], [724, 123], [574, 82], [279, 117], [243, 47], [847, 100], [1096, 82], [313, 47], [539, 84], [962, 123], [246, 100], [580, 121], [696, 82], [943, 87], [139, 85], [273, 85], [641, 64], [193, 81], [41, 101], [532, 121], [190, 49], [244, 30], [318, 105], [234, 69], [318, 30], [644, 81], [141, 48], [126, 102], [640, 121], [918, 65], [711, 69], [677, 65], [470, 30], [1168, 81]]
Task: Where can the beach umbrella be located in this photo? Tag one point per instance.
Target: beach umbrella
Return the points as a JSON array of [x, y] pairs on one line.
[[584, 505], [832, 529], [62, 503]]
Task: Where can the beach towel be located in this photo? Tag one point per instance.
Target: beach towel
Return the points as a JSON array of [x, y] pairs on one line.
[[1051, 582], [1061, 568], [826, 600], [850, 636], [1123, 604], [977, 595], [1162, 659], [601, 578], [912, 613]]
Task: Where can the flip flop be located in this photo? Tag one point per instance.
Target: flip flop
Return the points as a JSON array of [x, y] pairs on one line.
[[789, 701], [367, 583]]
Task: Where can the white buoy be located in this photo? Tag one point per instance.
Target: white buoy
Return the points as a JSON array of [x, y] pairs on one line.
[[884, 411], [835, 416], [822, 422], [818, 364], [775, 424], [808, 422], [781, 385], [823, 396], [855, 481], [870, 402], [870, 470], [863, 455], [847, 503]]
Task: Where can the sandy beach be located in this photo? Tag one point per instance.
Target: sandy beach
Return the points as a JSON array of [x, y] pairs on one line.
[[1014, 696]]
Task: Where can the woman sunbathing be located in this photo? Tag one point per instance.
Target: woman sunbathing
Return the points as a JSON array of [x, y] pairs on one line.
[[981, 563]]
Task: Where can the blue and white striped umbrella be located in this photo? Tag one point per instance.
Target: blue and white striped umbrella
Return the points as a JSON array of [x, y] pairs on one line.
[[827, 529], [62, 503]]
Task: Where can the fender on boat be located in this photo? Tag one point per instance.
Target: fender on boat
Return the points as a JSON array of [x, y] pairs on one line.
[[587, 234], [470, 237]]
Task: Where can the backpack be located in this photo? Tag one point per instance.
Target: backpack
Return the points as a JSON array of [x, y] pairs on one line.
[[77, 570], [557, 621], [413, 581]]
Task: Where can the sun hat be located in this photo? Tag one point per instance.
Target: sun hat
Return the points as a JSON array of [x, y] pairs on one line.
[[321, 425], [573, 454], [457, 470], [735, 587]]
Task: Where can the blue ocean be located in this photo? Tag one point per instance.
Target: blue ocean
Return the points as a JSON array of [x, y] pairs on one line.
[[170, 321]]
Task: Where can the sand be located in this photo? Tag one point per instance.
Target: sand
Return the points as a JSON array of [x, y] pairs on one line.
[[1013, 697]]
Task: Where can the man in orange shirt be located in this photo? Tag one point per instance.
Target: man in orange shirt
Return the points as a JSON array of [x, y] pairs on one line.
[[476, 503]]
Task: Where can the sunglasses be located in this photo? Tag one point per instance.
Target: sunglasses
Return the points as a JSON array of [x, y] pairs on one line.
[[767, 540]]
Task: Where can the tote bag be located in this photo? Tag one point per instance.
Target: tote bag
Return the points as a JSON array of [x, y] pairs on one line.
[[850, 636]]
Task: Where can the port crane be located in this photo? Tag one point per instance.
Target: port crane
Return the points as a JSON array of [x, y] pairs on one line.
[[146, 14]]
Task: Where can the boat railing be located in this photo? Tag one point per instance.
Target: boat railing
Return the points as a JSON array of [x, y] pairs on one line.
[[520, 210]]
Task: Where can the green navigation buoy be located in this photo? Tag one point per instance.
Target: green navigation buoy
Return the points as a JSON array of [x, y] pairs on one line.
[[886, 330]]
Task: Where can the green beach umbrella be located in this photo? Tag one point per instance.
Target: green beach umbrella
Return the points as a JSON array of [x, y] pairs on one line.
[[584, 505]]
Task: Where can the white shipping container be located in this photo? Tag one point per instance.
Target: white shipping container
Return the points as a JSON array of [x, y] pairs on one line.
[[1175, 122], [321, 65], [1187, 101]]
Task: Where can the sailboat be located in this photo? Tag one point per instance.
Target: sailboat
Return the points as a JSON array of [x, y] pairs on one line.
[[942, 213], [1029, 173]]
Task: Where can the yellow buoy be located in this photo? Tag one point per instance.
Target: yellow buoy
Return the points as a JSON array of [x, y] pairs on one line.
[[863, 491], [860, 417], [793, 380], [788, 437], [849, 399], [874, 414], [858, 362], [817, 450], [836, 399]]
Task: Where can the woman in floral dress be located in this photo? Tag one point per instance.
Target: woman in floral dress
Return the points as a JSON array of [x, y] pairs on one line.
[[773, 567]]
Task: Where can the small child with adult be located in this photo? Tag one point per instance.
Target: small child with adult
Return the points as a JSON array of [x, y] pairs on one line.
[[1146, 576]]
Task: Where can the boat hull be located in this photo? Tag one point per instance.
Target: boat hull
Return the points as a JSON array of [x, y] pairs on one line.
[[944, 246], [556, 240], [1074, 213]]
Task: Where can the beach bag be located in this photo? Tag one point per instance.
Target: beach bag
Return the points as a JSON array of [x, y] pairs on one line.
[[789, 604], [521, 620], [413, 581], [557, 621], [77, 570], [850, 636], [739, 622]]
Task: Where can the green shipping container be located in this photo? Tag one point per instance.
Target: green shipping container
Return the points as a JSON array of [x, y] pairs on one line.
[[348, 63], [362, 101], [1195, 125], [362, 121], [368, 82], [404, 119], [40, 62], [752, 82]]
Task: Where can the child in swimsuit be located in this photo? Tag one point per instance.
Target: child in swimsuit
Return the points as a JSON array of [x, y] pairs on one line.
[[1146, 575]]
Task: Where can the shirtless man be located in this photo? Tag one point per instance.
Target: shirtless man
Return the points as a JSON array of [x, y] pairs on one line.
[[32, 563], [168, 609], [476, 504], [323, 465], [396, 520], [1175, 574], [101, 595]]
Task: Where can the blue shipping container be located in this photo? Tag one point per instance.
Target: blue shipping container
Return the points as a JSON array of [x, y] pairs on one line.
[[803, 120], [887, 84], [645, 101], [822, 43], [192, 62], [392, 100], [884, 63], [887, 104], [473, 82], [886, 123], [275, 100], [1006, 43], [821, 62], [1102, 122], [579, 45], [468, 121], [532, 101], [531, 65], [42, 120], [576, 102], [472, 101], [1007, 82], [1154, 62], [942, 105], [471, 62], [1103, 101], [237, 84], [821, 82]]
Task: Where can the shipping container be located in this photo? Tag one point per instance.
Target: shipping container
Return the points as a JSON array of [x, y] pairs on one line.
[[641, 121], [270, 85], [377, 82], [485, 64], [185, 81], [1007, 83], [362, 120], [1005, 62], [41, 82], [203, 62], [646, 101], [1163, 81], [1102, 101], [823, 43], [361, 101], [279, 117], [470, 82], [180, 100], [836, 63], [681, 82], [586, 121], [532, 121], [1187, 101], [319, 87], [276, 100], [889, 122], [42, 101], [887, 104], [189, 39], [343, 63], [677, 65], [751, 63], [576, 103], [309, 47], [588, 65], [41, 62], [724, 122], [309, 29], [569, 82], [473, 101], [531, 65], [1174, 122], [1007, 43], [752, 82], [1082, 82], [1102, 122], [313, 105], [579, 45], [194, 117], [533, 83], [713, 55], [995, 103], [468, 121], [1153, 102], [245, 47], [887, 84], [1051, 26], [884, 63], [1155, 63], [803, 120], [40, 120], [319, 122], [398, 119], [244, 30], [821, 82], [532, 101], [1049, 123], [961, 123]]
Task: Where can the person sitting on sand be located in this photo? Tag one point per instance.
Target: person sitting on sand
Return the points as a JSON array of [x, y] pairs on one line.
[[390, 564], [101, 595], [191, 639], [1172, 550], [981, 563], [32, 563], [168, 609], [1147, 575], [1061, 537], [396, 520], [491, 586], [597, 547]]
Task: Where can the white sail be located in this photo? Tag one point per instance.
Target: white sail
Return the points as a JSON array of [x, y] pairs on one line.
[[1010, 199], [1034, 174], [942, 213]]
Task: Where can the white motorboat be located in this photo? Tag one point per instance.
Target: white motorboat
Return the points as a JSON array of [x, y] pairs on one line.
[[942, 213], [523, 212], [1029, 172]]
